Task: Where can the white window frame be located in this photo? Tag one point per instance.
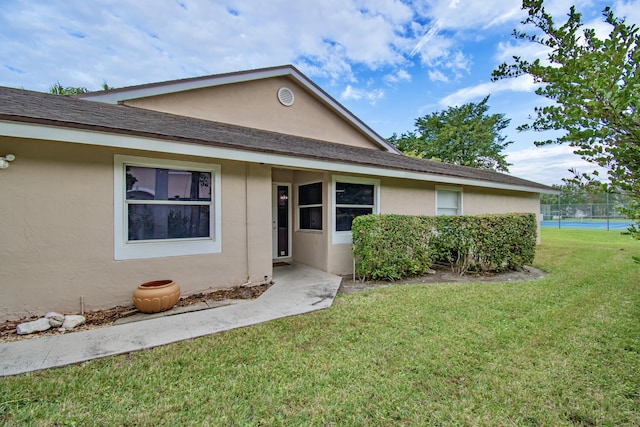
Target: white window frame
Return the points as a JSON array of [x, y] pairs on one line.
[[458, 190], [299, 206], [343, 237], [125, 249]]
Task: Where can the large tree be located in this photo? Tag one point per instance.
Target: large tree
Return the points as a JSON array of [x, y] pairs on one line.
[[465, 135], [594, 87]]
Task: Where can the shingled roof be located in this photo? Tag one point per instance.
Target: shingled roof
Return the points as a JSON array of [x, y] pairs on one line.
[[28, 107]]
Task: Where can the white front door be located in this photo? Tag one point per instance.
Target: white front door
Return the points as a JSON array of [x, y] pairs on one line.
[[281, 220]]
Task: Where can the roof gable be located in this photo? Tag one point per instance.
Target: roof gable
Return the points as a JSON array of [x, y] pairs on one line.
[[210, 98]]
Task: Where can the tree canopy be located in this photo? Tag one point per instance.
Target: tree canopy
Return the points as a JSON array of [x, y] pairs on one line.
[[58, 89], [577, 194], [465, 135], [594, 87]]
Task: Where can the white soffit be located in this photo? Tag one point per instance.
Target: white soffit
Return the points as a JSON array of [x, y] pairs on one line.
[[79, 136]]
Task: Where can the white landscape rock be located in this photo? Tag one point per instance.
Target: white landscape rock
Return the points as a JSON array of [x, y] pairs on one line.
[[39, 325], [73, 320], [55, 319]]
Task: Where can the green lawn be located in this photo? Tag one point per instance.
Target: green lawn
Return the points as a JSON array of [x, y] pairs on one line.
[[563, 350]]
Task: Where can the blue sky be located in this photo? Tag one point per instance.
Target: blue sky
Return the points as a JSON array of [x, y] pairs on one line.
[[389, 62]]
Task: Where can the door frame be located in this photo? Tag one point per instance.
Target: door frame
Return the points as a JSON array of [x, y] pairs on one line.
[[274, 220]]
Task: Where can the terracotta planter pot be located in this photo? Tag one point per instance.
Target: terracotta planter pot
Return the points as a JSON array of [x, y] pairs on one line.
[[156, 296]]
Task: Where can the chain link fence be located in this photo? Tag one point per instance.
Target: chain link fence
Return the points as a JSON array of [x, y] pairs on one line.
[[584, 215]]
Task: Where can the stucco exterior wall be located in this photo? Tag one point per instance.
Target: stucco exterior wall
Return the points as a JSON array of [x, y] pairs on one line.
[[57, 225], [258, 225], [406, 197], [482, 200], [255, 104], [310, 247]]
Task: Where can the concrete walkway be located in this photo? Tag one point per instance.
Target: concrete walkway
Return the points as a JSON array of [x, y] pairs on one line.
[[297, 289]]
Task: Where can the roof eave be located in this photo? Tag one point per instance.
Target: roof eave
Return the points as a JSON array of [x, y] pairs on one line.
[[156, 143]]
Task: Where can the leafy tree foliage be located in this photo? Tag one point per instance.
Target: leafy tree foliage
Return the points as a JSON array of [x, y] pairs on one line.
[[58, 89], [594, 85], [573, 193], [465, 135]]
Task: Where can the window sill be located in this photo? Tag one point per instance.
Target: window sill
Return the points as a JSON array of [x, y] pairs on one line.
[[145, 250]]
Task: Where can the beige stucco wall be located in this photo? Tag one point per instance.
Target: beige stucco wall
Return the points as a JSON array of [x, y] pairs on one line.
[[56, 220], [258, 225], [255, 104], [310, 247], [483, 200], [401, 196]]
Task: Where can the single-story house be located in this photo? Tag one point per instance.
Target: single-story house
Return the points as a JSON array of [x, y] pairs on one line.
[[205, 180]]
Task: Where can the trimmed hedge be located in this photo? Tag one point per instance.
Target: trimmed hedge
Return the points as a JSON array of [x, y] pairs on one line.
[[393, 247]]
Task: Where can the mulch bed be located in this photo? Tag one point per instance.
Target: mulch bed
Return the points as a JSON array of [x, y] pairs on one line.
[[99, 318], [443, 274]]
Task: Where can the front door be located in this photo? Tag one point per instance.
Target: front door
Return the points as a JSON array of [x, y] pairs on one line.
[[281, 221]]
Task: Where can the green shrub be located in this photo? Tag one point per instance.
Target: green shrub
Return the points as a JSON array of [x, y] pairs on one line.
[[392, 247], [485, 242]]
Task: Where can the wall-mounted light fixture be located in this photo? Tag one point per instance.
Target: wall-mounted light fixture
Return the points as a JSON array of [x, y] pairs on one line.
[[4, 161]]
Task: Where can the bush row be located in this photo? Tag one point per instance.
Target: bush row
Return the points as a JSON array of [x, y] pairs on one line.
[[392, 247]]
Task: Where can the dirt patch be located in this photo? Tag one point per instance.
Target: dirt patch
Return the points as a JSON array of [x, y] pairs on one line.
[[442, 274], [101, 318]]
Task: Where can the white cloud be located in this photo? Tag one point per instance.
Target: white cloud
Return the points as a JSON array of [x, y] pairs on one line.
[[398, 76], [466, 14], [548, 164], [129, 43], [630, 10], [459, 61], [526, 50], [520, 84], [372, 96], [132, 43], [337, 43], [450, 24], [437, 76], [437, 51], [427, 39]]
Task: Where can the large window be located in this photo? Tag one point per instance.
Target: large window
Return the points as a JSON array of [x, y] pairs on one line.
[[165, 208], [448, 201], [352, 197], [310, 206]]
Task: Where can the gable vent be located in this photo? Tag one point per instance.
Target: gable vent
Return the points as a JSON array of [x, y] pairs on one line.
[[285, 96]]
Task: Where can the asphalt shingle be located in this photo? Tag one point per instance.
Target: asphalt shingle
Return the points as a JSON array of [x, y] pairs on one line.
[[18, 105]]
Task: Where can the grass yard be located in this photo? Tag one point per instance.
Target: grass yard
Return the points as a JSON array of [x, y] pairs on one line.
[[560, 351]]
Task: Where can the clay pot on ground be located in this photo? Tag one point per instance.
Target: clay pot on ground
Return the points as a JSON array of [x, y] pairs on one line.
[[156, 296]]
